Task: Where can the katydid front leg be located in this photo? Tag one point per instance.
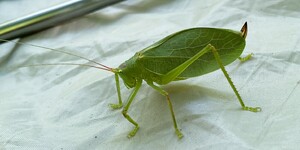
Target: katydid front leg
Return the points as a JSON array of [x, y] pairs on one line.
[[120, 105]]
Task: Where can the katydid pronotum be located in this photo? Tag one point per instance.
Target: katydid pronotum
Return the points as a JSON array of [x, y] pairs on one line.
[[185, 54]]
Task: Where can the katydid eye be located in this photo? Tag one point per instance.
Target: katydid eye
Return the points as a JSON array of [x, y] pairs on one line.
[[123, 65]]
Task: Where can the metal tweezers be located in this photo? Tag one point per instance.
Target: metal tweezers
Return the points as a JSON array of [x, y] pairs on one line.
[[50, 17]]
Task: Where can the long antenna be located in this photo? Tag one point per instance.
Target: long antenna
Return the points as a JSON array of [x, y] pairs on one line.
[[66, 64], [60, 51]]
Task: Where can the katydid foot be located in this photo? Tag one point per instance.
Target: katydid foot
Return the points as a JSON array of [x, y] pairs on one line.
[[179, 134], [116, 106], [133, 132], [252, 109], [243, 59]]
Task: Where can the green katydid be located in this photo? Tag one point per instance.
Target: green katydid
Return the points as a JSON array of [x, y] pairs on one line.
[[185, 54]]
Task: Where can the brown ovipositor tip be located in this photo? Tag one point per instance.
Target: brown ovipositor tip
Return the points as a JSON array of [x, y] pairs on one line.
[[244, 30]]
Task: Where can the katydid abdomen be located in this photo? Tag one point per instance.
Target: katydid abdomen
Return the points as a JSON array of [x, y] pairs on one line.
[[160, 58]]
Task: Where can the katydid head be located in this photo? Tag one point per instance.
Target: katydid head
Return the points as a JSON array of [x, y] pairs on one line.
[[126, 72], [129, 81]]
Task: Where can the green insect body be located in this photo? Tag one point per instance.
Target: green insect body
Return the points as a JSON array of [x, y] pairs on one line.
[[179, 56], [182, 55]]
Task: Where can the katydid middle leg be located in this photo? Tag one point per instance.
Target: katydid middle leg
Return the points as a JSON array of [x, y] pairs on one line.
[[163, 92], [172, 75], [125, 109]]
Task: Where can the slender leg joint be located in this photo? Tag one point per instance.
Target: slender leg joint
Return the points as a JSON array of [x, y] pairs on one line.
[[124, 112]]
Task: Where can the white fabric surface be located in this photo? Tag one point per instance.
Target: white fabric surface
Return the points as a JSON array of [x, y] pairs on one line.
[[66, 107]]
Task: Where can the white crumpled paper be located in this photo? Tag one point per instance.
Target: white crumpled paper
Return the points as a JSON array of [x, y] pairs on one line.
[[66, 107]]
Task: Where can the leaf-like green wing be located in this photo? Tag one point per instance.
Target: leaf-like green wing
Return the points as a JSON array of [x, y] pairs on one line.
[[175, 49]]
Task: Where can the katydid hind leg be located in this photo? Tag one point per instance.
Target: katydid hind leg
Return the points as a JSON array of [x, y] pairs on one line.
[[126, 107], [171, 75], [244, 107], [163, 92], [120, 104]]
